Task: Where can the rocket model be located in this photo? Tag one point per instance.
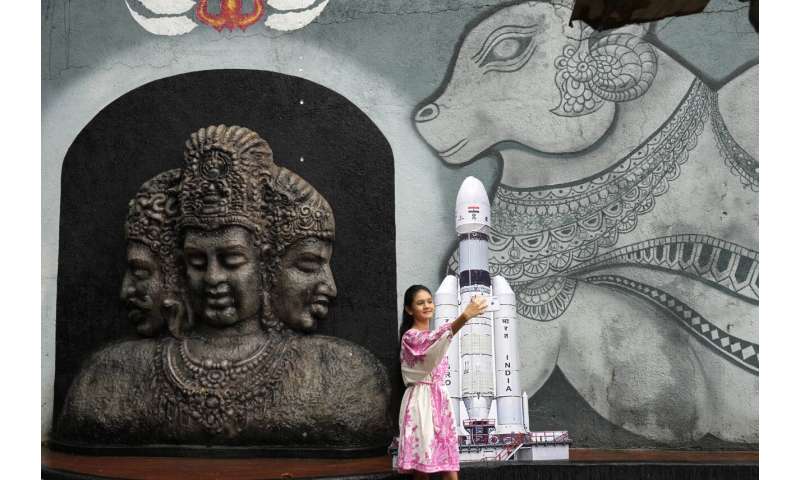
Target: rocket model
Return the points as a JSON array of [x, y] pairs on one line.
[[483, 376], [489, 410]]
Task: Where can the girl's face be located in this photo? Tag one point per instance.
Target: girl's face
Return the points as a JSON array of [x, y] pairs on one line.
[[422, 307]]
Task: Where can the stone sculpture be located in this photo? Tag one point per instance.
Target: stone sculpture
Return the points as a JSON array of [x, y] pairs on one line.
[[244, 367]]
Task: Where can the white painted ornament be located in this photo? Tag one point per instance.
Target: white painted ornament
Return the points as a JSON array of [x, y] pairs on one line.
[[178, 17]]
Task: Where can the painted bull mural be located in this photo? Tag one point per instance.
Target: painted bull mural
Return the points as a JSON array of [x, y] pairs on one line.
[[626, 217]]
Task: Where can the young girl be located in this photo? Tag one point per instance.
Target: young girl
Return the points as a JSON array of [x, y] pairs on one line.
[[427, 441]]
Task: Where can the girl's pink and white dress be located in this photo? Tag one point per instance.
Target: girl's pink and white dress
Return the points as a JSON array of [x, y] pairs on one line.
[[427, 441]]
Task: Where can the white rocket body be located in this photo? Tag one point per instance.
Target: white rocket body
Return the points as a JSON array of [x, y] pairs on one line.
[[484, 362]]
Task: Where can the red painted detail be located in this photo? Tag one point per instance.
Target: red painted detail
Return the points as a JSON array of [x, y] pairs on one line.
[[230, 14]]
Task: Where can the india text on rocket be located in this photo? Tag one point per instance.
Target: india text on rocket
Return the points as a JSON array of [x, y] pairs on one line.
[[489, 408]]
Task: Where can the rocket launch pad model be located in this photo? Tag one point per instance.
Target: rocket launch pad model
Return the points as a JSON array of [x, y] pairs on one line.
[[489, 408]]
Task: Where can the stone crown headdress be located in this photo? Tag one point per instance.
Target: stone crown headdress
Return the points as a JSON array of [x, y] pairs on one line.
[[230, 178], [224, 177], [152, 215], [298, 210]]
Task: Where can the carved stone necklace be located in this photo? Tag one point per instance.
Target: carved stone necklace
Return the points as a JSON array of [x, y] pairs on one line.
[[222, 396], [209, 374]]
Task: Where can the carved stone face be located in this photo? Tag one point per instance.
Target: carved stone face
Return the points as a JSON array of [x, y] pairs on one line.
[[143, 289], [304, 287], [223, 277]]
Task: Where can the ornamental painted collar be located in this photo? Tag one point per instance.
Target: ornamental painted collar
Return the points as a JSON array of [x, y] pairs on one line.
[[541, 231]]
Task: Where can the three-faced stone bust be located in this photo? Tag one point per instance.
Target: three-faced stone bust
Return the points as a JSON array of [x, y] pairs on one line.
[[254, 242]]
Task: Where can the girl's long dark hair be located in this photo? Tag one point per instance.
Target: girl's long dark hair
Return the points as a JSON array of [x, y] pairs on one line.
[[408, 299]]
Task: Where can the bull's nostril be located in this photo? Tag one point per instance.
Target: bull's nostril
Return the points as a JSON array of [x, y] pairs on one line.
[[427, 113]]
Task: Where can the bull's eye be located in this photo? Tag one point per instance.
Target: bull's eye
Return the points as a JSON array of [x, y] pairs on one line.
[[506, 49]]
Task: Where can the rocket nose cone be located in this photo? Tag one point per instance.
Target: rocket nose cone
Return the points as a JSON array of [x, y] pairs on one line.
[[473, 212], [472, 190], [448, 285]]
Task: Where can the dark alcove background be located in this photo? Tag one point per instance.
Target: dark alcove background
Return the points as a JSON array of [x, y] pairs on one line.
[[312, 130]]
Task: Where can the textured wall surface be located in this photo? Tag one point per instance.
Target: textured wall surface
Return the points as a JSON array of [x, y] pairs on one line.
[[622, 166]]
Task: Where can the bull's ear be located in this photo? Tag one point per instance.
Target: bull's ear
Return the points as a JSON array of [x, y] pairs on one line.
[[608, 67], [573, 77]]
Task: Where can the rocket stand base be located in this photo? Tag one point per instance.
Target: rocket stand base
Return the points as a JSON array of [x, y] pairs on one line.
[[529, 446]]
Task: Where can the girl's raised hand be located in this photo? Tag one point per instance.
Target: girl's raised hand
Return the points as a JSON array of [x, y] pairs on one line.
[[476, 306]]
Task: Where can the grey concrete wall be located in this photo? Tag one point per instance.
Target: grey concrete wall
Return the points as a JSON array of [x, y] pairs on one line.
[[604, 355]]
